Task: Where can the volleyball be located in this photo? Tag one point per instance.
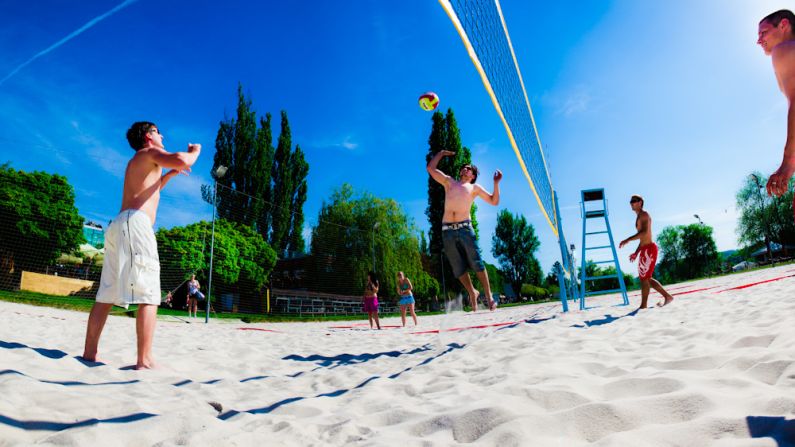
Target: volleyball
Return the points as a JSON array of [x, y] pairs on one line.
[[429, 101]]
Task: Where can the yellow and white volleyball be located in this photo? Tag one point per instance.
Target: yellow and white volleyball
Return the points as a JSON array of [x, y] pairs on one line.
[[429, 101]]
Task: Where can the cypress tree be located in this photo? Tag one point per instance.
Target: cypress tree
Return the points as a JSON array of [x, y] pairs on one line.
[[299, 171], [435, 209], [263, 164], [243, 175], [281, 172]]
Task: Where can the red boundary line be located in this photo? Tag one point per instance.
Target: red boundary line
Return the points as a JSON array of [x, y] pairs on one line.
[[745, 286], [480, 326], [256, 329]]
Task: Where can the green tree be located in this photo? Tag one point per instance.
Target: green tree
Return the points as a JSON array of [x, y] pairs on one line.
[[263, 187], [38, 220], [282, 178], [242, 259], [351, 229], [444, 135], [514, 244], [593, 270], [299, 169], [763, 218], [687, 251]]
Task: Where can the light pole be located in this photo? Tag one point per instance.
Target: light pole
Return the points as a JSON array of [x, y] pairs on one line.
[[764, 217], [699, 219], [374, 227], [220, 171]]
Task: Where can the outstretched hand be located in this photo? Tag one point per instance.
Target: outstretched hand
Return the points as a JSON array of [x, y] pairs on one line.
[[497, 176], [622, 243], [778, 182], [632, 257]]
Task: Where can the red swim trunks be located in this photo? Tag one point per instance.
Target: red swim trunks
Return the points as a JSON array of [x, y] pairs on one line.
[[647, 259]]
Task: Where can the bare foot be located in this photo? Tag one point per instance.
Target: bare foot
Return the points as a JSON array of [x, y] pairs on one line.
[[146, 365], [492, 305], [665, 303], [91, 358]]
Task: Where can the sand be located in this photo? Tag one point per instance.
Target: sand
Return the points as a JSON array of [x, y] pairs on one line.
[[715, 368]]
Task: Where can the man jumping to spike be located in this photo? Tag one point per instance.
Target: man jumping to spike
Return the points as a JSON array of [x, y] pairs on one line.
[[458, 236], [646, 254]]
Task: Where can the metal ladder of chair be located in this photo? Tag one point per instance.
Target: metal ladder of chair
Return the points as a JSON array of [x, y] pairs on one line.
[[593, 207]]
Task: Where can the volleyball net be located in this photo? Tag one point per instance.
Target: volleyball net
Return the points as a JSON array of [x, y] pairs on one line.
[[482, 28]]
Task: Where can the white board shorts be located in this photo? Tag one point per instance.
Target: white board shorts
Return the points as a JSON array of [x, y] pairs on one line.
[[131, 268]]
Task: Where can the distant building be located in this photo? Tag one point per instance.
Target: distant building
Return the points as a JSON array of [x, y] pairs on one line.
[[777, 250], [94, 234]]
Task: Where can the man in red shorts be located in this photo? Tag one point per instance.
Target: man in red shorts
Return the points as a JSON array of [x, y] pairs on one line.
[[646, 253]]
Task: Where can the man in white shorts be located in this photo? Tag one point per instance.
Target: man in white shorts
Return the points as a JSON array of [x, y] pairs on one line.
[[131, 270]]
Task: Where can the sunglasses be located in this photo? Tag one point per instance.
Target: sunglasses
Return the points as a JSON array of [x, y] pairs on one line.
[[634, 201]]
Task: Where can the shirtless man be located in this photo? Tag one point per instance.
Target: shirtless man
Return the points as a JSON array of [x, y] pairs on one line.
[[458, 236], [131, 270], [646, 253], [777, 39]]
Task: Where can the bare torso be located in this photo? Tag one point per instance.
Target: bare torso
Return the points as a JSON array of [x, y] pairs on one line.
[[643, 221], [784, 65], [142, 184], [458, 201]]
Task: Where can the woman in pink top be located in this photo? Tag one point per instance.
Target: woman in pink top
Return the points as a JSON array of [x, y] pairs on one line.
[[370, 299]]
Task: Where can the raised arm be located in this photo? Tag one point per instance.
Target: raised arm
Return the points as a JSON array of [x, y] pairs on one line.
[[177, 160], [494, 197], [784, 65], [438, 175]]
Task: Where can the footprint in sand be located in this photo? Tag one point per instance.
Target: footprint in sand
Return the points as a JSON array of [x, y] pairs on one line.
[[774, 372], [762, 341], [640, 387]]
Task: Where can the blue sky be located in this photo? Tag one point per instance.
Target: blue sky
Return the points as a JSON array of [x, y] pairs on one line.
[[672, 100]]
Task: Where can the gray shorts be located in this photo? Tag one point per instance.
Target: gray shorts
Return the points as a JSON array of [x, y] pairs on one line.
[[462, 249]]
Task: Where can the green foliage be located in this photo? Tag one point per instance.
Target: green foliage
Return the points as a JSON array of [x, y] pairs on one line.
[[592, 269], [534, 292], [38, 219], [686, 252], [444, 135], [496, 280], [240, 254], [514, 244], [299, 170], [351, 228], [763, 217], [264, 188]]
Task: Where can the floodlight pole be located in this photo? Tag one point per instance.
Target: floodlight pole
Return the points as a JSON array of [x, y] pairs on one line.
[[219, 172]]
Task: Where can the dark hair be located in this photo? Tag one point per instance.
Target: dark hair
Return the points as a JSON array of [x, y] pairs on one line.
[[372, 278], [635, 198], [776, 18], [136, 134], [474, 170]]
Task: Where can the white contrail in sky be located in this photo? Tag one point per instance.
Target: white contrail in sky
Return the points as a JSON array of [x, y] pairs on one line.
[[71, 36]]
